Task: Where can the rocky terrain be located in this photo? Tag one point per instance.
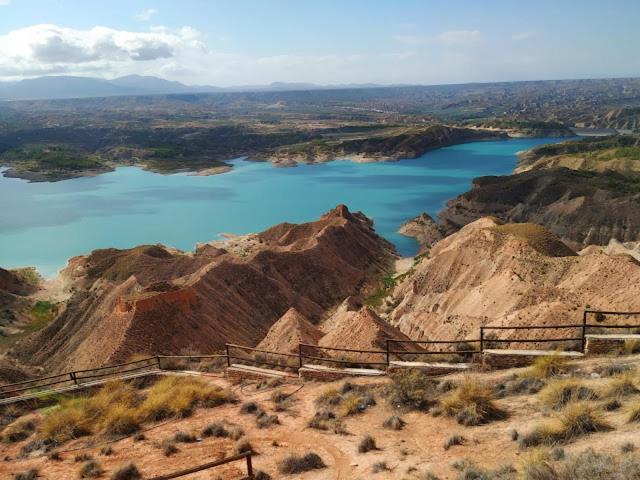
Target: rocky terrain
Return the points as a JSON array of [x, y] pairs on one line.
[[587, 192], [389, 144], [151, 299], [490, 273]]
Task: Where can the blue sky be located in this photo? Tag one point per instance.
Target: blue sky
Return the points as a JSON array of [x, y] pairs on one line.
[[223, 42]]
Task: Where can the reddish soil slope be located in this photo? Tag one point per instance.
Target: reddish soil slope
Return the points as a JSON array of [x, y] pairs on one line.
[[151, 299]]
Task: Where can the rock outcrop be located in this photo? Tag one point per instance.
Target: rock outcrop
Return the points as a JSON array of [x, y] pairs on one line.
[[512, 274], [155, 300], [289, 331], [581, 207]]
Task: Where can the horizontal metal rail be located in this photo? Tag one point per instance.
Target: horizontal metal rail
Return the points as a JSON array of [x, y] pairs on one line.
[[115, 366], [35, 380], [344, 362], [260, 362], [532, 327], [591, 325], [452, 352], [453, 342], [528, 340], [206, 466], [336, 349], [107, 374], [268, 352]]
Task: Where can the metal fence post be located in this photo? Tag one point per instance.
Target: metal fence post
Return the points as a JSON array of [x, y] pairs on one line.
[[73, 377], [299, 356], [249, 466], [584, 331], [226, 347], [158, 360], [387, 351], [481, 339]]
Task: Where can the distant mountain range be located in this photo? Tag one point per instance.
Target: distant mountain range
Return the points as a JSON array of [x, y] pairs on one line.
[[51, 87]]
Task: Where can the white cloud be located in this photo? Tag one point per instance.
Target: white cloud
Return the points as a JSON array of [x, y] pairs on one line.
[[519, 36], [145, 15], [42, 49], [459, 37], [4, 2]]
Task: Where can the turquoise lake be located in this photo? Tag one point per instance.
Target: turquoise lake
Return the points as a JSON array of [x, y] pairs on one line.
[[44, 224]]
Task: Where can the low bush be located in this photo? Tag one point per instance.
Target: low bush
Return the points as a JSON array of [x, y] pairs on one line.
[[326, 420], [82, 457], [471, 404], [91, 469], [297, 464], [411, 389], [236, 433], [627, 447], [575, 420], [127, 472], [243, 445], [215, 430], [106, 451], [519, 385], [28, 475], [394, 423], [169, 448], [558, 392], [454, 440], [380, 467], [184, 437], [249, 407], [18, 431], [611, 369], [367, 444], [264, 420]]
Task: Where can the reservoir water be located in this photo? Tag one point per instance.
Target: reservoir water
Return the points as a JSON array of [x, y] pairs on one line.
[[44, 224]]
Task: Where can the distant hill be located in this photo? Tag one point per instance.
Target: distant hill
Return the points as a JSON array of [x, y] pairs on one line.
[[52, 87]]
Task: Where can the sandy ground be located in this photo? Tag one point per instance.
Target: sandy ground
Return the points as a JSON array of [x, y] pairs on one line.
[[408, 453]]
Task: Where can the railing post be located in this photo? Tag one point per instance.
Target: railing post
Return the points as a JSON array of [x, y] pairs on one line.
[[158, 360], [249, 466], [299, 356], [387, 352], [584, 331], [73, 377], [481, 339], [226, 347]]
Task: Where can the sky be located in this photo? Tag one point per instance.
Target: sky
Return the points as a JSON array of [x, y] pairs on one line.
[[248, 42]]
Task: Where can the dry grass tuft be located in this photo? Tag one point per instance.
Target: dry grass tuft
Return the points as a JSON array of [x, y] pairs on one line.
[[634, 411], [127, 472], [19, 430], [454, 440], [411, 389], [394, 423], [472, 404], [91, 469], [243, 445], [547, 366], [367, 444], [536, 465], [559, 392], [215, 429], [31, 474], [621, 385], [576, 420], [296, 464]]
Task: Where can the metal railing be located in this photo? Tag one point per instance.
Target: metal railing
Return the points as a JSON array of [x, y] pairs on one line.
[[229, 347], [309, 352], [391, 341], [235, 458], [302, 355], [484, 340]]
